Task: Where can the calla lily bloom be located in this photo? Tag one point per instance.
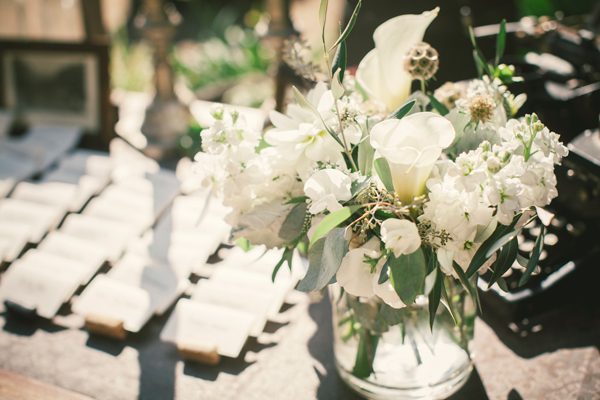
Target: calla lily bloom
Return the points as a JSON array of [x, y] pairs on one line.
[[411, 147], [380, 73]]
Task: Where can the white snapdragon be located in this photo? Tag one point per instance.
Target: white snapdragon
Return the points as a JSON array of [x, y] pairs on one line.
[[401, 236], [326, 188]]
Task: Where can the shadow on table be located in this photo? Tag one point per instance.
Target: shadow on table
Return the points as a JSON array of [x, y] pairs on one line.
[[331, 385], [574, 325], [27, 326]]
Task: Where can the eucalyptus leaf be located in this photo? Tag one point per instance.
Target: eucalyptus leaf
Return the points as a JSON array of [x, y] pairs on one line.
[[294, 222], [500, 43], [339, 60], [349, 27], [403, 110], [502, 285], [439, 107], [331, 221], [392, 316], [366, 152], [359, 184], [505, 260], [324, 260], [407, 274], [383, 171], [534, 258], [296, 200]]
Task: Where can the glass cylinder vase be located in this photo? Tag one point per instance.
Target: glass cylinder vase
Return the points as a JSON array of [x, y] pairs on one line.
[[384, 353]]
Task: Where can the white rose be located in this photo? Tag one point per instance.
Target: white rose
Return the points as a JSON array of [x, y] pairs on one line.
[[401, 236], [411, 146], [326, 188]]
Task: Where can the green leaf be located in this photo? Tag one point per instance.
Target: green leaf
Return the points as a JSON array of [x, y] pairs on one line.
[[481, 256], [385, 271], [349, 27], [407, 274], [340, 60], [383, 171], [462, 277], [323, 17], [502, 285], [331, 221], [505, 260], [430, 282], [500, 42], [295, 200], [324, 260], [392, 316], [359, 184], [337, 89], [244, 244], [367, 345], [401, 111], [287, 256], [534, 258], [366, 152], [305, 104], [294, 222], [522, 261], [439, 107], [435, 296]]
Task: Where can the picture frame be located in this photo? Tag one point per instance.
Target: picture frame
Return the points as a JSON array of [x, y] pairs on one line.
[[58, 83]]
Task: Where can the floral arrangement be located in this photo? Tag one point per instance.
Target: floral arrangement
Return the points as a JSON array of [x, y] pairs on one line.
[[389, 191]]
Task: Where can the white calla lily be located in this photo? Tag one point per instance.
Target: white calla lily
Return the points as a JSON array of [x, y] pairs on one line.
[[411, 146], [380, 73]]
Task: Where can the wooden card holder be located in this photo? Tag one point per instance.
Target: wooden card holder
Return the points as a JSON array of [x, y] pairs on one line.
[[202, 353], [105, 326]]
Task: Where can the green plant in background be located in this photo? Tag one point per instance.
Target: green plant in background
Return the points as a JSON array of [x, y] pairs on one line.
[[131, 66], [539, 8], [191, 143]]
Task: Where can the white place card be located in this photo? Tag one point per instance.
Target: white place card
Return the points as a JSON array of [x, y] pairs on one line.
[[35, 288], [186, 212], [112, 236], [6, 186], [55, 193], [129, 197], [205, 238], [15, 235], [123, 154], [115, 299], [59, 265], [88, 162], [74, 248], [247, 299], [193, 322], [242, 278], [162, 284], [41, 217], [114, 210]]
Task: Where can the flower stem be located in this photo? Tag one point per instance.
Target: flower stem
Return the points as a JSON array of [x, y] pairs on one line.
[[367, 345]]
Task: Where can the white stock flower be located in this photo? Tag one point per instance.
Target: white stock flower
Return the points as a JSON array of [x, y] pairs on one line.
[[326, 188], [354, 274], [401, 236], [380, 73], [411, 146]]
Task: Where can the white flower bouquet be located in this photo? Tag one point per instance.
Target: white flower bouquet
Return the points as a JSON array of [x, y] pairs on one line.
[[390, 192]]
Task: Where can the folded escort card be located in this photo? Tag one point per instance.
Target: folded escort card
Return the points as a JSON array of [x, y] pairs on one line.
[[55, 193], [207, 325], [59, 264], [162, 284], [15, 235], [43, 287], [6, 186], [115, 210], [112, 298], [112, 236], [74, 248], [251, 300], [40, 217]]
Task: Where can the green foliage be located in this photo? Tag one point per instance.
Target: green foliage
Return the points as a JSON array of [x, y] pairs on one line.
[[401, 111], [331, 221], [407, 274], [383, 171], [324, 259]]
